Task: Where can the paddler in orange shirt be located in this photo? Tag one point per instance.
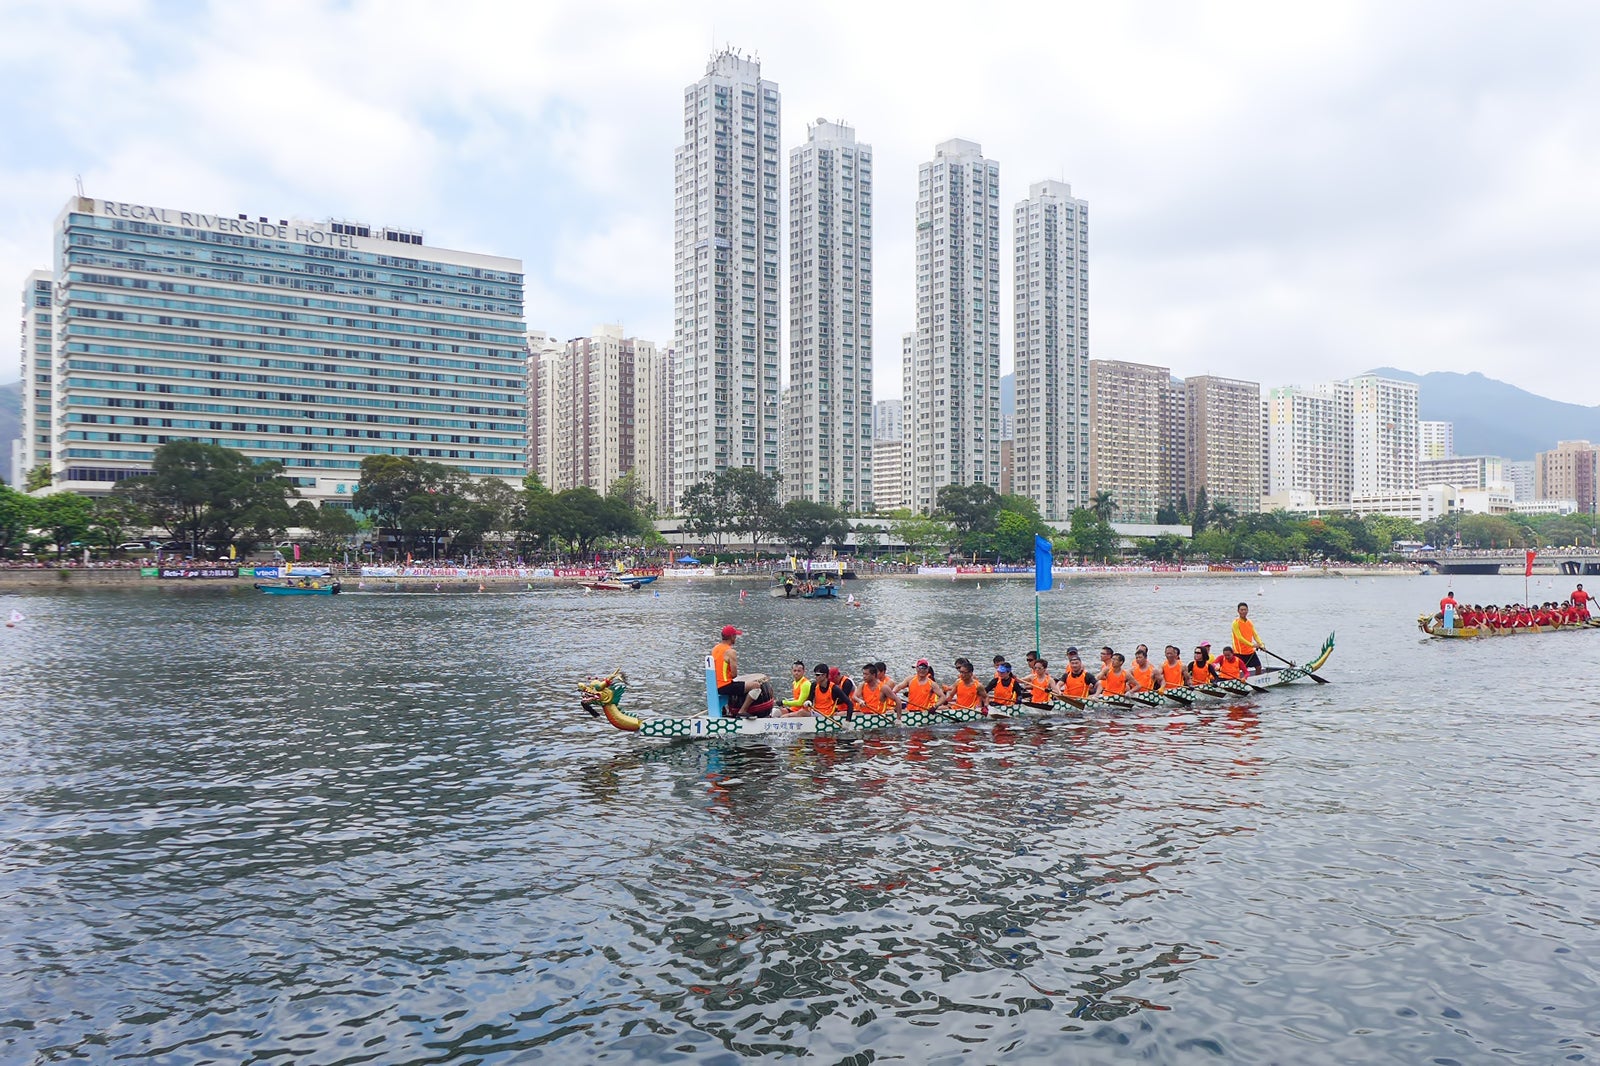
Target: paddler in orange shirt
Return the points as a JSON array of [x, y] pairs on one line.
[[1245, 640], [1172, 674], [1003, 688], [1145, 677], [1040, 685], [1076, 683], [1199, 668], [1114, 680], [923, 693], [1230, 667], [965, 693]]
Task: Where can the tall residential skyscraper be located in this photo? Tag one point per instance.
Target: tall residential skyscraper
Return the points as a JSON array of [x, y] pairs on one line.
[[315, 344], [1384, 445], [1436, 440], [952, 393], [1309, 434], [37, 371], [603, 408], [830, 318], [543, 356], [1130, 440], [1224, 441], [726, 274], [666, 416], [1051, 232]]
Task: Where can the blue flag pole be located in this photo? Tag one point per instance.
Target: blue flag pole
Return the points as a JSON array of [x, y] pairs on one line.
[[1044, 558]]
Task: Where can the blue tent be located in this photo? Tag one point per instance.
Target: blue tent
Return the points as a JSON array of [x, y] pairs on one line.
[[688, 560]]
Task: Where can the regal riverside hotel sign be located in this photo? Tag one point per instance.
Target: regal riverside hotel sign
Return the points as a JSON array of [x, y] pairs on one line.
[[300, 233]]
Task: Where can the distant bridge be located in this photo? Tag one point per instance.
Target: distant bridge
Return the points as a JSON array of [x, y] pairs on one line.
[[1566, 561]]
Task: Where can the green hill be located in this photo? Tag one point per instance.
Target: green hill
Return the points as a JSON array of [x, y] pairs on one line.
[[1495, 418]]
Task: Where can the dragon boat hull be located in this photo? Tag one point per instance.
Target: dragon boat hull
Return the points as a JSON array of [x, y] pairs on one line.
[[1435, 628], [602, 696]]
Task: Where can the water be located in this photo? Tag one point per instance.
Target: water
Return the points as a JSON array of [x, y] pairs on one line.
[[379, 829]]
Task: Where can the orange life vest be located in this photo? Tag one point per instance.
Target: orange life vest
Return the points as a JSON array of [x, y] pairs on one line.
[[919, 695], [1076, 687], [1202, 675], [872, 698], [1113, 684], [822, 700], [1039, 690], [1244, 636], [1146, 678], [966, 697], [1005, 691], [1171, 674], [1230, 671], [720, 659]]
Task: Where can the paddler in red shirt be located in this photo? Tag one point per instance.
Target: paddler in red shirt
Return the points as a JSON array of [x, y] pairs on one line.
[[1580, 600]]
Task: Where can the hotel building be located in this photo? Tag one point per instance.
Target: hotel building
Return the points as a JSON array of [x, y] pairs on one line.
[[726, 274], [827, 457], [1052, 432], [312, 343], [952, 375]]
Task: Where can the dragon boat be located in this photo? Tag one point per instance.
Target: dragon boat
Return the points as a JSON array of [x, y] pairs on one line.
[[602, 698], [1434, 627]]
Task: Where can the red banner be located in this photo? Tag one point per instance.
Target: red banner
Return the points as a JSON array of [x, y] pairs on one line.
[[1527, 570]]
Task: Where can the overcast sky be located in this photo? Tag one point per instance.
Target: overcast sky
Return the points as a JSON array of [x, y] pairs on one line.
[[1278, 192]]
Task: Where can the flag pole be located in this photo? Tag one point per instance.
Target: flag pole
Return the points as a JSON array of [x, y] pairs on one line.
[[1036, 650]]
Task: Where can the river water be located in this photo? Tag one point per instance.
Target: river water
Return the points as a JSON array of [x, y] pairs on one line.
[[378, 828]]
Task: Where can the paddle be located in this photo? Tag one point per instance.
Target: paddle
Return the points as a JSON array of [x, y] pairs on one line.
[[1281, 659]]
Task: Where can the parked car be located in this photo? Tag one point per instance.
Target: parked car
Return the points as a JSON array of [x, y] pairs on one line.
[[132, 546]]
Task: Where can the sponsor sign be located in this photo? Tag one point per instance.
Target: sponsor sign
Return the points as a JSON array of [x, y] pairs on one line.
[[181, 573], [689, 571], [1276, 568]]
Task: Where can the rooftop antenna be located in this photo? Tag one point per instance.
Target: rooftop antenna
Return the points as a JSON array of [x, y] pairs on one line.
[[78, 178]]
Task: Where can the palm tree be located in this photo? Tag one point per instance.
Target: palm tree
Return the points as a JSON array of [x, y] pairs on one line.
[[1223, 514], [1104, 505]]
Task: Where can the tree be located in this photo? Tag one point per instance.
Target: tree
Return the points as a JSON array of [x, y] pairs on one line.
[[211, 495], [918, 532], [65, 516], [1104, 505], [114, 517], [753, 500], [1168, 514], [1222, 514], [1091, 537], [1200, 513], [631, 490], [1013, 537], [805, 524], [38, 478], [707, 513], [969, 508], [18, 514]]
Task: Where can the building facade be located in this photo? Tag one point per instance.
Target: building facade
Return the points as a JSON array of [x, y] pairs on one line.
[[1309, 438], [1464, 472], [1223, 416], [726, 274], [1051, 338], [888, 420], [887, 486], [1384, 436], [542, 354], [1569, 471], [37, 365], [952, 377], [602, 408], [1436, 440], [1130, 437], [830, 319], [1519, 475], [315, 344]]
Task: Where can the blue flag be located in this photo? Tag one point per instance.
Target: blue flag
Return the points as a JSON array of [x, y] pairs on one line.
[[1044, 557]]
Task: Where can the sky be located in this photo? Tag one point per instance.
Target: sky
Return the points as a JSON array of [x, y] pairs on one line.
[[1285, 193]]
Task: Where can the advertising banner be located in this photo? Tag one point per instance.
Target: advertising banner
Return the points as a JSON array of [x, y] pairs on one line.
[[191, 572]]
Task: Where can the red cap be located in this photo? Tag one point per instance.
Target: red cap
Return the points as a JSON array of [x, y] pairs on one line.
[[834, 675], [729, 631], [922, 662]]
